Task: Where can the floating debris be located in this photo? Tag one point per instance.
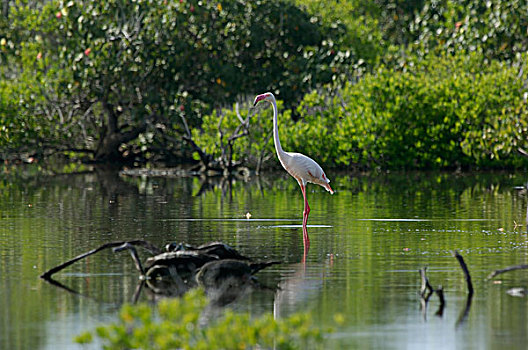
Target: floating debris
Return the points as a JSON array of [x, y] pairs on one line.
[[519, 292]]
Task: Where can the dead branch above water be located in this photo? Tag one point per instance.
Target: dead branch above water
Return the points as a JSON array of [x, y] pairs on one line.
[[148, 246], [494, 273], [425, 293], [464, 267], [427, 290]]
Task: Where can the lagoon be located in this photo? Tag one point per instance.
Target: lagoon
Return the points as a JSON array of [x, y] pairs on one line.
[[368, 242]]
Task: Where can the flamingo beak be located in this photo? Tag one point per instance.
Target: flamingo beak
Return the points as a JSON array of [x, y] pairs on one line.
[[258, 99]]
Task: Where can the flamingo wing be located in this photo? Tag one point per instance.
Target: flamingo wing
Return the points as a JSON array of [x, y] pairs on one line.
[[305, 169]]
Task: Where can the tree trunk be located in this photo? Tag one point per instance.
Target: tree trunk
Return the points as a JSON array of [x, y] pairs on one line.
[[108, 147]]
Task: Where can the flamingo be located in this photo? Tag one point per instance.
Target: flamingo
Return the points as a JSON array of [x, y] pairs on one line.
[[303, 168]]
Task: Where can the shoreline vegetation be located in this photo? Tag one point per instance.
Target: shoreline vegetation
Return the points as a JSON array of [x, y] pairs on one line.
[[362, 85]]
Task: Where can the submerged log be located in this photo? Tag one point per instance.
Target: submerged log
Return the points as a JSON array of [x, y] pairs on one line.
[[219, 249], [224, 272]]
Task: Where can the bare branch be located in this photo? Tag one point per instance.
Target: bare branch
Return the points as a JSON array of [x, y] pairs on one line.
[[464, 267], [238, 114], [47, 275], [506, 269], [184, 120], [426, 286], [204, 157]]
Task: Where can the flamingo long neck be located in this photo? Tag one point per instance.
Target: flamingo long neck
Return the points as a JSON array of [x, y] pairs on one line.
[[278, 148]]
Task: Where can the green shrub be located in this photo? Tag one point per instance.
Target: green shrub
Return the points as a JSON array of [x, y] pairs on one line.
[[114, 78], [443, 111], [20, 130], [179, 324]]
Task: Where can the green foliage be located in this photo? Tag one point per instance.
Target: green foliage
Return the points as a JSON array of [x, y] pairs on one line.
[[440, 112], [371, 25], [362, 39], [434, 114], [107, 72], [17, 123], [495, 27], [441, 107], [421, 83], [178, 324], [253, 150], [437, 113], [393, 17]]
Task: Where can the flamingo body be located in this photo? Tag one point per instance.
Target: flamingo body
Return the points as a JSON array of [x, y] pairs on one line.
[[303, 168]]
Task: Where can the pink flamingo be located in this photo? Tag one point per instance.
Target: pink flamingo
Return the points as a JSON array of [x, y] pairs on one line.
[[304, 169]]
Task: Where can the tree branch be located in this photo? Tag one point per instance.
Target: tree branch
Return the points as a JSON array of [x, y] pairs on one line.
[[506, 269], [464, 267], [205, 158]]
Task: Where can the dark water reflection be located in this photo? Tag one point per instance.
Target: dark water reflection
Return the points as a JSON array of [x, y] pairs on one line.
[[367, 243]]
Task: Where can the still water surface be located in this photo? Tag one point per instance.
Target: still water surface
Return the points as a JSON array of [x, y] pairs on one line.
[[367, 243]]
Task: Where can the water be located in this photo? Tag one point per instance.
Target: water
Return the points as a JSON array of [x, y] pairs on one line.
[[367, 243]]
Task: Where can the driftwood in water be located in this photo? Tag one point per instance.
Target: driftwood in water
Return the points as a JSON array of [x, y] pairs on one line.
[[464, 314], [130, 247], [427, 290], [507, 269], [426, 286], [173, 272], [464, 267], [138, 242]]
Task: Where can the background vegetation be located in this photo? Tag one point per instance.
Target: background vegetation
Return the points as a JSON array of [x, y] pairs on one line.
[[384, 83]]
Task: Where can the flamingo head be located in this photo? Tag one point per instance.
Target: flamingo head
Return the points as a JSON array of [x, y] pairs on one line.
[[268, 96]]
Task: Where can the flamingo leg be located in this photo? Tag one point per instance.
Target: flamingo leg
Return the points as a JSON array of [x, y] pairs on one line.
[[306, 212]]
